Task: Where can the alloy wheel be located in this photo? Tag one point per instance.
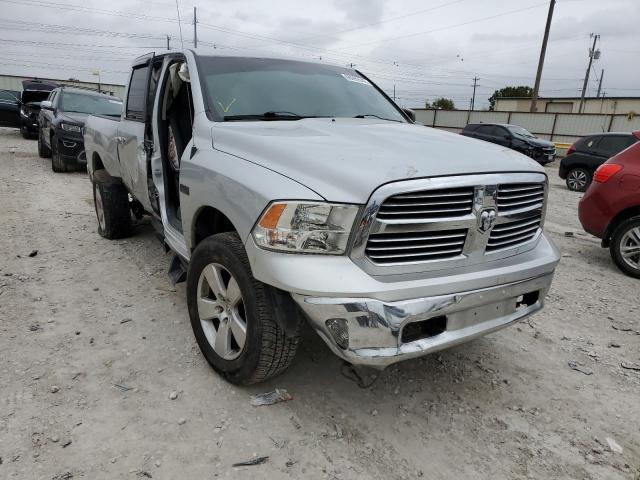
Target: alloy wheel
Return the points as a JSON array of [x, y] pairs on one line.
[[630, 248], [577, 179], [221, 311]]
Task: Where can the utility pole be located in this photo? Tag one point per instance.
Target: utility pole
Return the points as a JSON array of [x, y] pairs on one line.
[[473, 99], [168, 40], [543, 52], [600, 82], [592, 55], [195, 31]]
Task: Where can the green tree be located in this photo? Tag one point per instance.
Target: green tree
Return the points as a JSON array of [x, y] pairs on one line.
[[521, 91], [442, 104]]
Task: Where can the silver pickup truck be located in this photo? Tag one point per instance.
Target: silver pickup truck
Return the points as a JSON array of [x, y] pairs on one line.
[[292, 191]]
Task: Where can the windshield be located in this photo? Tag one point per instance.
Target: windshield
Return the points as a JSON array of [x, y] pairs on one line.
[[267, 89], [520, 131], [91, 104]]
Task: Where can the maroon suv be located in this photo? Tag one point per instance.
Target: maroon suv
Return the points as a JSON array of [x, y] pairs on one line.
[[610, 209]]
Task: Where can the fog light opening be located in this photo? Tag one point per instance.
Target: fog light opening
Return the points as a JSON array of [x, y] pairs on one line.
[[68, 144], [527, 300], [339, 331], [424, 329]]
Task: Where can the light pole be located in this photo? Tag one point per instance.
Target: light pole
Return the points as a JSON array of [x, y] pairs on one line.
[[97, 72]]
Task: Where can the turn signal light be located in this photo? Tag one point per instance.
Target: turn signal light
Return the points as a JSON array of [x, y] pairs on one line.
[[605, 172]]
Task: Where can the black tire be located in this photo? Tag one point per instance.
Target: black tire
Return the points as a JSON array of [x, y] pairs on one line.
[[615, 247], [267, 351], [578, 179], [43, 150], [112, 200], [25, 133], [58, 165]]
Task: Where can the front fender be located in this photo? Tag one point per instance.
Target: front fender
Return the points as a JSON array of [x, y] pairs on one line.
[[238, 188]]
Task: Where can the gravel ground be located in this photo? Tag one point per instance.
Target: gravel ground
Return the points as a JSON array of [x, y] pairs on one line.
[[95, 344]]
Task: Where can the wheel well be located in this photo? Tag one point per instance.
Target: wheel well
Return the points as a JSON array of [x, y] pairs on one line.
[[97, 162], [617, 220], [209, 221]]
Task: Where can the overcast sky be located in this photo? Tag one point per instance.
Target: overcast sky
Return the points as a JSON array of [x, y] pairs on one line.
[[426, 48]]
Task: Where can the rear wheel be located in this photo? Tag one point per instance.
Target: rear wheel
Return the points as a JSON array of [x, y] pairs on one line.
[[625, 246], [232, 314], [58, 164], [111, 202], [43, 150], [578, 179]]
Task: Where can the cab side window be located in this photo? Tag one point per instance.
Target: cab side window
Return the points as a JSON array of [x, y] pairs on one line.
[[137, 95]]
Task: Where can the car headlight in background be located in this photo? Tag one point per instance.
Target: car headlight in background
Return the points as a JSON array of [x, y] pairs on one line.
[[71, 128], [305, 227]]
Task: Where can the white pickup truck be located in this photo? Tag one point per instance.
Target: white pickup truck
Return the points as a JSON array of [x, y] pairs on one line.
[[294, 191]]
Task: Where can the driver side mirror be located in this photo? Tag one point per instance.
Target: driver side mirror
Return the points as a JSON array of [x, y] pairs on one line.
[[410, 113], [46, 105]]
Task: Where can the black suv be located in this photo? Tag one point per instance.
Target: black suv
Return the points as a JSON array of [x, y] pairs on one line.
[[514, 137], [62, 120], [588, 153]]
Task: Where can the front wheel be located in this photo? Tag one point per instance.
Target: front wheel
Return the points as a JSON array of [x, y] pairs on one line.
[[578, 179], [58, 164], [625, 246], [43, 150], [232, 314]]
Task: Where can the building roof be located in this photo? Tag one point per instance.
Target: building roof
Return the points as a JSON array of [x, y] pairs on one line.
[[569, 98]]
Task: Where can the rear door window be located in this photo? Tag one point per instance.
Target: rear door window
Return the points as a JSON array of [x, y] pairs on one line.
[[137, 96], [9, 96], [612, 144], [486, 130]]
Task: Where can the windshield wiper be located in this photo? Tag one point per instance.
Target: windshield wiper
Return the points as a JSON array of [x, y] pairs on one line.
[[365, 115], [270, 115]]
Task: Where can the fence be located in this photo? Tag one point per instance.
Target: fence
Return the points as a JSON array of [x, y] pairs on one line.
[[556, 127]]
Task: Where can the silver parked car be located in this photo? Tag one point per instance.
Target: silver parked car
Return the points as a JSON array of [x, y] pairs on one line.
[[293, 191]]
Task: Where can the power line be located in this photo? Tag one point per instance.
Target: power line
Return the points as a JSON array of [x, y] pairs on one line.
[[439, 29]]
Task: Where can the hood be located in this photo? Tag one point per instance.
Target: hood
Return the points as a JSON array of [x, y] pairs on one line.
[[538, 142], [29, 96], [345, 160], [73, 117]]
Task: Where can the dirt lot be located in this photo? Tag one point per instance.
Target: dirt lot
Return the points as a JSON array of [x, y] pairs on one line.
[[94, 340]]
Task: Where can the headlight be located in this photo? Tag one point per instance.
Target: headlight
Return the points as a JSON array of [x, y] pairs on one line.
[[305, 227], [71, 128]]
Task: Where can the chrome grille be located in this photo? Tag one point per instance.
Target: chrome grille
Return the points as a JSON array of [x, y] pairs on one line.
[[519, 196], [428, 224], [415, 246], [510, 234], [428, 204]]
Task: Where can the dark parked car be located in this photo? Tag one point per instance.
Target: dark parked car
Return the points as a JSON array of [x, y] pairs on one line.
[[514, 137], [62, 124], [9, 108], [610, 209], [20, 109], [588, 153], [33, 92]]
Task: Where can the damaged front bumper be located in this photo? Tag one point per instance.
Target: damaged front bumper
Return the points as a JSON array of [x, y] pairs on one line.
[[365, 331]]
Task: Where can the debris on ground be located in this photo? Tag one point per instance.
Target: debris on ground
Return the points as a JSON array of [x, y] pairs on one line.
[[33, 253], [578, 368], [66, 444], [173, 395], [126, 320], [124, 388], [630, 366], [144, 473], [568, 234], [253, 461], [269, 398], [613, 445], [55, 389]]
